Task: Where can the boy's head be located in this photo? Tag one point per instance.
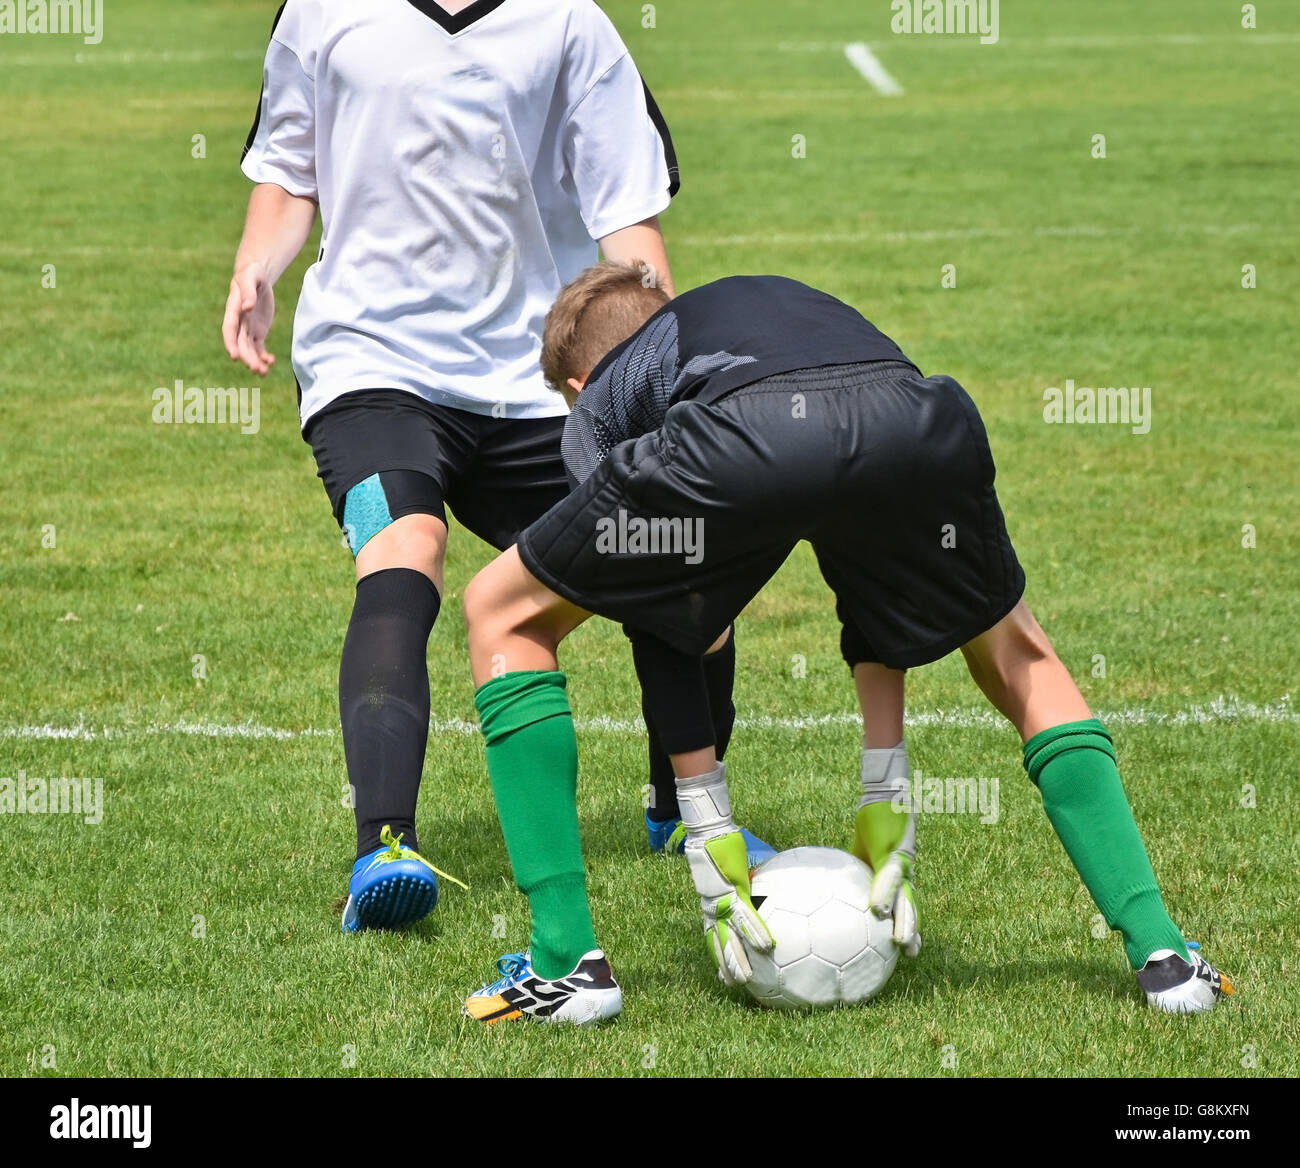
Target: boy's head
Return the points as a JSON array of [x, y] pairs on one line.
[[604, 305]]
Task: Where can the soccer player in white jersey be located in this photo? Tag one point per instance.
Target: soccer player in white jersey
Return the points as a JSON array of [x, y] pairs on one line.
[[467, 160]]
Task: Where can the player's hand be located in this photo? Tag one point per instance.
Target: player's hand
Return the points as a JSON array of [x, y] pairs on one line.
[[720, 869], [250, 309], [878, 833]]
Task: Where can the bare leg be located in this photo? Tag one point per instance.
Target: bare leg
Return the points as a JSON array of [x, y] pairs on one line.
[[514, 621], [880, 695], [1018, 670], [1071, 759], [515, 624], [413, 541]]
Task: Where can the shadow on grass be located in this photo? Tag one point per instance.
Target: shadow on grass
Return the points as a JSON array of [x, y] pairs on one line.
[[945, 970]]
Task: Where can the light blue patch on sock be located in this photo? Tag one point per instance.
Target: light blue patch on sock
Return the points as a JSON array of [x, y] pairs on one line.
[[365, 512]]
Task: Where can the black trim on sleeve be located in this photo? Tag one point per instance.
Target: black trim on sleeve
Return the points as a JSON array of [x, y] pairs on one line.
[[462, 20], [670, 154], [257, 117]]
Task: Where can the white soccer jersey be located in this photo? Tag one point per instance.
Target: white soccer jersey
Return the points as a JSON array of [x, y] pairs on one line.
[[464, 166]]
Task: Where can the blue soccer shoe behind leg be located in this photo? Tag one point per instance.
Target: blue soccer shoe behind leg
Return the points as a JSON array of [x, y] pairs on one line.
[[393, 885], [670, 836]]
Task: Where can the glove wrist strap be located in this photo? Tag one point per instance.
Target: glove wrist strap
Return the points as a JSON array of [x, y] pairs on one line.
[[705, 803], [886, 778]]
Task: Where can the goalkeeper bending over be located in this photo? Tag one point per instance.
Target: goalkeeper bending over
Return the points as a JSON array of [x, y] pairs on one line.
[[755, 412]]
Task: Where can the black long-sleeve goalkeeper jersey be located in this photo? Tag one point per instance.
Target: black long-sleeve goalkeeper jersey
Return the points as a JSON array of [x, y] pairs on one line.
[[707, 342]]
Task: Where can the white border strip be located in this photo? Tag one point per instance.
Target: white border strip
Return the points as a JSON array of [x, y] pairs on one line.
[[1084, 41], [818, 238], [1220, 710], [775, 238], [98, 56], [866, 63], [55, 60]]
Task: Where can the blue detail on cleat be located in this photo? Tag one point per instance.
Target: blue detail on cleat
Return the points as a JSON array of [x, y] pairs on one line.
[[670, 836], [661, 833], [759, 851], [513, 967], [393, 885]]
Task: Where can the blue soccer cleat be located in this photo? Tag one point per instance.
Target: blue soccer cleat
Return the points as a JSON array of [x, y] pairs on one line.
[[393, 885], [661, 833], [759, 850], [670, 836]]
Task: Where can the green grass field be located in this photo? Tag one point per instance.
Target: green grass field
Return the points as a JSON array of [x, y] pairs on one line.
[[193, 931]]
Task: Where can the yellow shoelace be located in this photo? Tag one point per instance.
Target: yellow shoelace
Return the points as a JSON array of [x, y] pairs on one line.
[[395, 852]]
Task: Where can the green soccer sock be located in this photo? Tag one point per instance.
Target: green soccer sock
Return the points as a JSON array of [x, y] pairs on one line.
[[532, 757], [1073, 765]]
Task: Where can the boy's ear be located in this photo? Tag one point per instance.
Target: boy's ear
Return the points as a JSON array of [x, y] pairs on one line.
[[576, 385]]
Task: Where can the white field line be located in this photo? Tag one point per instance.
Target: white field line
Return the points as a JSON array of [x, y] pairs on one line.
[[751, 96], [777, 238], [1102, 41], [93, 56], [94, 250], [237, 101], [1220, 710], [780, 238], [99, 56], [873, 72], [1079, 230], [132, 57]]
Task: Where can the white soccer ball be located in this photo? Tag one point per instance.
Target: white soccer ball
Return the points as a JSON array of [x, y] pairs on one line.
[[831, 950]]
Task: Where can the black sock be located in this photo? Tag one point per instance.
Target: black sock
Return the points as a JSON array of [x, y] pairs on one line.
[[720, 677], [384, 700], [663, 783], [679, 706]]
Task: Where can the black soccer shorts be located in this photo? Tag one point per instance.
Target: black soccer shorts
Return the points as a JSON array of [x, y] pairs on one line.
[[385, 453], [886, 473]]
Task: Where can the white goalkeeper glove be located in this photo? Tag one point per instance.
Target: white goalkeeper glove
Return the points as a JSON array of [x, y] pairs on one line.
[[719, 863], [884, 838], [720, 869]]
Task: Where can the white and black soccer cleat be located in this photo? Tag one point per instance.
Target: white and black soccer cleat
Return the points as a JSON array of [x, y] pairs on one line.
[[587, 995], [1176, 987]]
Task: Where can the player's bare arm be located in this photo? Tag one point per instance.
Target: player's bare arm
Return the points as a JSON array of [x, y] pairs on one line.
[[641, 244], [275, 230]]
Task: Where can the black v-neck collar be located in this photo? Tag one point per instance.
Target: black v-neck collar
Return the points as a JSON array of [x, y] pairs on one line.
[[462, 20]]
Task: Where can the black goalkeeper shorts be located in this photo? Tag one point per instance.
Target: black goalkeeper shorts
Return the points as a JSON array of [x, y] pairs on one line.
[[886, 473]]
